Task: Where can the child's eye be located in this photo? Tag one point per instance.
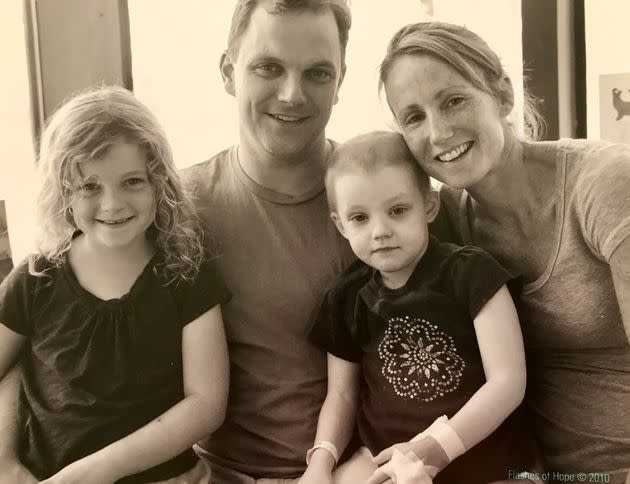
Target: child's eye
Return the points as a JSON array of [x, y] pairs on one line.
[[358, 218], [398, 211], [89, 187], [134, 181]]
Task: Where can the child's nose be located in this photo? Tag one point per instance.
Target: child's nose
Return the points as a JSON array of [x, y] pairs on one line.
[[381, 229], [110, 200]]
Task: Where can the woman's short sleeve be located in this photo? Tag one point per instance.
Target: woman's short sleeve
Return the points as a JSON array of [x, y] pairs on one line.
[[16, 298], [476, 277], [602, 199], [206, 291]]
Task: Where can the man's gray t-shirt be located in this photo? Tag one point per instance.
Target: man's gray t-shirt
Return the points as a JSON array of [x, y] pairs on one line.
[[278, 254]]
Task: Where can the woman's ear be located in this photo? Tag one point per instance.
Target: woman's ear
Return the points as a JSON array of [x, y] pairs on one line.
[[335, 218], [431, 204], [226, 66], [505, 95]]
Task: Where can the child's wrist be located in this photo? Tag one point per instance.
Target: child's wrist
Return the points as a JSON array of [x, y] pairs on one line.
[[445, 436]]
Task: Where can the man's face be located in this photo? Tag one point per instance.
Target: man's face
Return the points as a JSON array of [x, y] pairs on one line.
[[285, 79]]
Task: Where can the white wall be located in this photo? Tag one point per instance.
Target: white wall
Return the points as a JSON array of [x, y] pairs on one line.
[[607, 51], [176, 48], [16, 149]]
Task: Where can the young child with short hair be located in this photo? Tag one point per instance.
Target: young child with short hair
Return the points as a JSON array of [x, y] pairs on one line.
[[117, 316], [423, 340]]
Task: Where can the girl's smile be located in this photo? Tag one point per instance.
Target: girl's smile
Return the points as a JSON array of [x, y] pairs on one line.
[[114, 202]]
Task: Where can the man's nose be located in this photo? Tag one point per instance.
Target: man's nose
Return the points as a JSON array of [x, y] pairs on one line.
[[291, 90]]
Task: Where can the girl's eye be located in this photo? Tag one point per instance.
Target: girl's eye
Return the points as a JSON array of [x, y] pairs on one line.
[[397, 211], [358, 218], [89, 187], [135, 181]]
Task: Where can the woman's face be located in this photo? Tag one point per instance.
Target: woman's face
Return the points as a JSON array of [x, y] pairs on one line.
[[454, 130]]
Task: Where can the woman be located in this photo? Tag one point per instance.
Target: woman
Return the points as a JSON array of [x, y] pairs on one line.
[[557, 214]]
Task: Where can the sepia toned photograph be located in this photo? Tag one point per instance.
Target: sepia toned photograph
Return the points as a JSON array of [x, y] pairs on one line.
[[314, 242]]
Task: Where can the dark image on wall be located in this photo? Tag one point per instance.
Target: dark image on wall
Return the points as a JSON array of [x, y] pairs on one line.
[[5, 251]]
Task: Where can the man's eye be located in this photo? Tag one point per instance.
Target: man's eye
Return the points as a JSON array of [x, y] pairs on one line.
[[267, 70], [321, 75]]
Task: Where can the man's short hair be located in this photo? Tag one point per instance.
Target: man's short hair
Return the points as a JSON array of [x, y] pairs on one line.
[[244, 8], [368, 152]]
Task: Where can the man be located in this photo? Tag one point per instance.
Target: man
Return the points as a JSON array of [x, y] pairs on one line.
[[264, 201]]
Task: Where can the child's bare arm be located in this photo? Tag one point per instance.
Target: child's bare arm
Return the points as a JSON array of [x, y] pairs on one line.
[[336, 418], [501, 346], [206, 378]]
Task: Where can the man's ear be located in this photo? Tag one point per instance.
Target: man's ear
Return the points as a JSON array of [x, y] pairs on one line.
[[335, 218], [341, 78], [506, 96], [432, 205], [226, 66]]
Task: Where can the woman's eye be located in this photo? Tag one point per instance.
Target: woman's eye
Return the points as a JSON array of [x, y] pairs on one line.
[[454, 101], [414, 118]]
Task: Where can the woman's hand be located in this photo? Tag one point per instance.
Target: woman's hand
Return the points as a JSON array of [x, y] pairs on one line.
[[316, 475]]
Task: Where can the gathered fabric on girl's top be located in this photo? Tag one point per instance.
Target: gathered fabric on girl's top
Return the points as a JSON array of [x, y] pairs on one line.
[[96, 370]]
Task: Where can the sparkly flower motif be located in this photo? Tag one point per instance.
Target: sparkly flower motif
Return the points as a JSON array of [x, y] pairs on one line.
[[420, 361]]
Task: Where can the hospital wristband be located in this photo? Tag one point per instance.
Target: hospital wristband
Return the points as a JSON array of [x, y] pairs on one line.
[[323, 444], [444, 434]]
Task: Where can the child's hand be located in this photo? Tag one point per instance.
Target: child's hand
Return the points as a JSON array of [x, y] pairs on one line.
[[403, 469], [83, 471], [428, 450]]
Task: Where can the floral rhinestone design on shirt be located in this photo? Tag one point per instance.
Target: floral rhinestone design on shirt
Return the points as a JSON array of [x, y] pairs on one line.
[[420, 361]]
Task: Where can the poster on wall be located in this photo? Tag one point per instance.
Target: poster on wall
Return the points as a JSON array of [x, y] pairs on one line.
[[5, 251], [614, 107]]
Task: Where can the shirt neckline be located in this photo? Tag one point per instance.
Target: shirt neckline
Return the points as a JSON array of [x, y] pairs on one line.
[[559, 158], [267, 193], [88, 297]]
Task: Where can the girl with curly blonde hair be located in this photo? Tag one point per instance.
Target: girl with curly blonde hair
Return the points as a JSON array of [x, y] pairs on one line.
[[125, 361]]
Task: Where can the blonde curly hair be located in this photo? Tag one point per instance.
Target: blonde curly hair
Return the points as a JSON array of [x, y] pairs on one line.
[[84, 128]]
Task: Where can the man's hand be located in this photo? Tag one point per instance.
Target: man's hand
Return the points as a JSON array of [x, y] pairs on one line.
[[13, 472]]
